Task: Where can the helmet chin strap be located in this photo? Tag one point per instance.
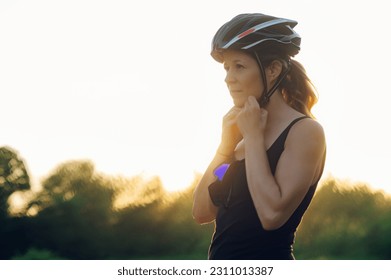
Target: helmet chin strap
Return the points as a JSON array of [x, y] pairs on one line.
[[263, 100], [265, 97]]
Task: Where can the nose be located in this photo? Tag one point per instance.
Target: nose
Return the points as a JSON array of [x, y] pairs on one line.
[[229, 77]]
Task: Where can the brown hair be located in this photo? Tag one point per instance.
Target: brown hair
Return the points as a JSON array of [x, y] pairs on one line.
[[298, 90]]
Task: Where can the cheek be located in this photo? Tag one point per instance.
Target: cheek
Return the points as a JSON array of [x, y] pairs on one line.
[[256, 86]]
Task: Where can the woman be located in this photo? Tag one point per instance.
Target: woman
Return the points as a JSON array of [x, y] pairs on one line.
[[272, 151]]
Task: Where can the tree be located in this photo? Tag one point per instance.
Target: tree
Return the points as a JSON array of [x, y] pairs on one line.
[[13, 177], [345, 221], [74, 212]]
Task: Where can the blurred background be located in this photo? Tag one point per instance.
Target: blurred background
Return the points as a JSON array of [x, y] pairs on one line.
[[82, 213], [112, 110]]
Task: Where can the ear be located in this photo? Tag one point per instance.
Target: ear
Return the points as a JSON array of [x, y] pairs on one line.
[[273, 71]]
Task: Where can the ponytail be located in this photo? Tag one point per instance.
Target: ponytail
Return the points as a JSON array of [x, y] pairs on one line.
[[298, 90]]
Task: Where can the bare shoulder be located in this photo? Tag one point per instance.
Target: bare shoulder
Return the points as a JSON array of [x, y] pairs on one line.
[[308, 127], [308, 132]]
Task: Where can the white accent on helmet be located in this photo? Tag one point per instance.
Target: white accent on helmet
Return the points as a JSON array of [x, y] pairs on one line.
[[256, 28], [288, 40]]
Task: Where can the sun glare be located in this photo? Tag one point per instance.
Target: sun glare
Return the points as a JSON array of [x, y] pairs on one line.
[[117, 102], [178, 182]]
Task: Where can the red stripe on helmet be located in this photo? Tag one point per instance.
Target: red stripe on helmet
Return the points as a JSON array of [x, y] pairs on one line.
[[245, 33]]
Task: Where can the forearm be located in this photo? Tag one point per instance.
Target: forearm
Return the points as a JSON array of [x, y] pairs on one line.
[[264, 189], [204, 211]]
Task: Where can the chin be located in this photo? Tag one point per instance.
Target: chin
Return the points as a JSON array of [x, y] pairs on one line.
[[238, 103]]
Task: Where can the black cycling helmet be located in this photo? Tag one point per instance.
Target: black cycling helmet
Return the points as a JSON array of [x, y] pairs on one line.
[[260, 35]]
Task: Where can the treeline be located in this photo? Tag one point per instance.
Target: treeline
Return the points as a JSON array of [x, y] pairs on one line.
[[81, 213]]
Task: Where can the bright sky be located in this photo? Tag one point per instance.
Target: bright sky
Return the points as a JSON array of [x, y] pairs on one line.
[[130, 85]]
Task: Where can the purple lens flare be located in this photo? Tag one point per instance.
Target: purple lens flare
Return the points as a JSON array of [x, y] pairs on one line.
[[220, 171]]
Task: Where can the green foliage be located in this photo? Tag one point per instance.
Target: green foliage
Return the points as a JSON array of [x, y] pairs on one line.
[[76, 216], [83, 214], [13, 177], [346, 221], [37, 254]]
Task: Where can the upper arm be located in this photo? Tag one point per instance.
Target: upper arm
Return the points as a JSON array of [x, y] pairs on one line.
[[300, 164]]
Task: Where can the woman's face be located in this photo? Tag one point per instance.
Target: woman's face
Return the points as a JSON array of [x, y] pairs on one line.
[[243, 76]]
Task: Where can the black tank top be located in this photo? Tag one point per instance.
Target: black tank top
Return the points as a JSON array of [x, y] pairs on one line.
[[238, 231]]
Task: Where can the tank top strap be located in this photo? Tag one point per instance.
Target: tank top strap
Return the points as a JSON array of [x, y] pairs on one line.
[[275, 151], [285, 133]]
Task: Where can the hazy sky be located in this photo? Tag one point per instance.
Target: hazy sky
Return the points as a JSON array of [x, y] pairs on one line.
[[130, 85]]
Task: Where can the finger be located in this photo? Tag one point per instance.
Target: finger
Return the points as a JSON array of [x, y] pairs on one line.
[[234, 110], [264, 113], [232, 114], [253, 101], [245, 106]]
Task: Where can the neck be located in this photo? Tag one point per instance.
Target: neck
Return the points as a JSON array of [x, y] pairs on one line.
[[278, 109]]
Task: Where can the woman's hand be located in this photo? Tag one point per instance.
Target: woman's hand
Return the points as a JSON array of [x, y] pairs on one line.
[[252, 118], [231, 135]]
